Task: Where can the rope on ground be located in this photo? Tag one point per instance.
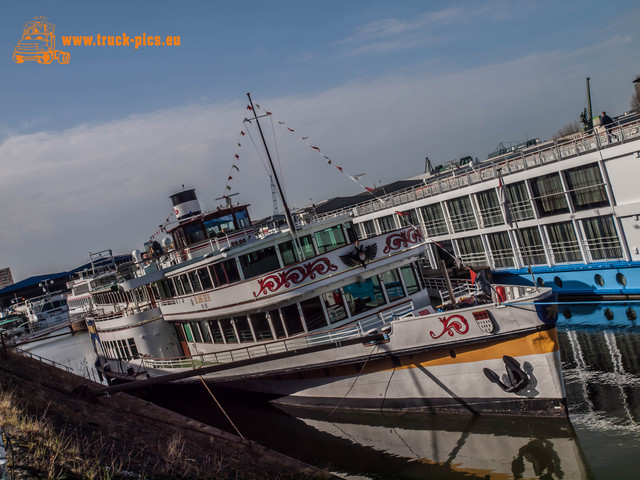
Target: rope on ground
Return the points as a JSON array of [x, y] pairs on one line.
[[221, 409]]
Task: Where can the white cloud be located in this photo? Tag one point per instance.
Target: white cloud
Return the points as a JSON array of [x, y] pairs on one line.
[[106, 185]]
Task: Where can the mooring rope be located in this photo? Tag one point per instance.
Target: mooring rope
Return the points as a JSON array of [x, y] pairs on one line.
[[220, 407], [354, 382]]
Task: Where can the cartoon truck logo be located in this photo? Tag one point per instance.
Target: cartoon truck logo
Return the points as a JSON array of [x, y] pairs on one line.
[[38, 43]]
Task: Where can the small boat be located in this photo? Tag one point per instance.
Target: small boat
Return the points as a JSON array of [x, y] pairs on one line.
[[309, 314]]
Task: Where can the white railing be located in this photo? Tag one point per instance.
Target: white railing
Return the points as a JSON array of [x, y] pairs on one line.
[[356, 330], [548, 152]]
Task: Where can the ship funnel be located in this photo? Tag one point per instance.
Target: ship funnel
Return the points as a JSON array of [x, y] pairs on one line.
[[185, 204]]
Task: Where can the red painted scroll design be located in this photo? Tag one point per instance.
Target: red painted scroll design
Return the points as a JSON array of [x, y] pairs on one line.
[[402, 239], [295, 276], [454, 322]]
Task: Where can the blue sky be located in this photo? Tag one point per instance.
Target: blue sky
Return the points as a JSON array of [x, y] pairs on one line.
[[90, 151]]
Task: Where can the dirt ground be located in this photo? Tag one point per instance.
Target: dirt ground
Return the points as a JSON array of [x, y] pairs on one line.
[[56, 428]]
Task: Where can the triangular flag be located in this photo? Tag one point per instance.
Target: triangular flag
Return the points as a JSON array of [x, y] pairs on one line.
[[234, 166], [242, 133], [237, 156], [249, 107], [267, 112], [368, 189], [290, 129], [473, 276], [315, 148], [230, 178]]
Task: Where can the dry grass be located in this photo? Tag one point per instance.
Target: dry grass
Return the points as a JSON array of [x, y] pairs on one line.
[[56, 435]]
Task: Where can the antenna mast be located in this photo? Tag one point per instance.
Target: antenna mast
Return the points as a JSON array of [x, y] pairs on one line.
[[274, 196], [287, 212]]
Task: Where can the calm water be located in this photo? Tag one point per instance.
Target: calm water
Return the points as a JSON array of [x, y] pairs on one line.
[[601, 362]]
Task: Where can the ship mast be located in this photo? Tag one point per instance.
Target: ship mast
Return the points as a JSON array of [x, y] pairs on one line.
[[287, 212]]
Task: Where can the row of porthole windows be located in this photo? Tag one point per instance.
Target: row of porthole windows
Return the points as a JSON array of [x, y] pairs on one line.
[[608, 314], [620, 278]]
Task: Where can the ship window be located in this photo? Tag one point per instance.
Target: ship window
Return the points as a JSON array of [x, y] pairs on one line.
[[132, 347], [410, 279], [434, 219], [472, 252], [540, 282], [409, 217], [226, 272], [599, 280], [292, 319], [204, 328], [363, 296], [216, 334], [549, 195], [602, 240], [501, 250], [392, 284], [387, 224], [490, 211], [228, 331], [558, 281], [218, 227], [461, 213], [288, 255], [621, 279], [187, 332], [531, 249], [349, 232], [368, 229], [276, 321], [330, 239], [261, 326], [168, 287], [185, 284], [195, 328], [194, 233], [335, 306], [204, 278], [244, 331], [586, 187], [242, 219], [259, 262], [519, 201], [195, 281], [313, 314], [563, 242]]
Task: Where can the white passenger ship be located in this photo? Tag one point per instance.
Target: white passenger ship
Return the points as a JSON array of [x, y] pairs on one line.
[[572, 222], [313, 316]]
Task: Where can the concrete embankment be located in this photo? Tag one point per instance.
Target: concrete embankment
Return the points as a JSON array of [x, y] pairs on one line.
[[57, 428]]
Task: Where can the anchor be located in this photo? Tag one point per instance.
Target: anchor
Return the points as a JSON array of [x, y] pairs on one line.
[[517, 378]]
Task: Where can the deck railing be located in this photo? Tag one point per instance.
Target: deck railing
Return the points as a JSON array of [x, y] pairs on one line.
[[356, 330], [508, 163]]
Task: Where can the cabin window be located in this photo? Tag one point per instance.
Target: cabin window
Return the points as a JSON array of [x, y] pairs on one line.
[[276, 321], [490, 211], [226, 272], [472, 251], [363, 296], [349, 232], [218, 227], [195, 329], [243, 328], [335, 306], [204, 329], [408, 218], [410, 280], [228, 331], [288, 255], [195, 281], [563, 242], [242, 219], [461, 214], [586, 187], [194, 233], [259, 262], [434, 220], [501, 250], [204, 278], [392, 284], [313, 314], [261, 326], [168, 287], [185, 283], [549, 195], [531, 248], [602, 240], [187, 332], [292, 319], [519, 201], [216, 334], [330, 239], [387, 224], [368, 229]]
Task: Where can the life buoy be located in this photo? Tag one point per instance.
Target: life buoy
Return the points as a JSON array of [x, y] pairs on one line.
[[501, 293]]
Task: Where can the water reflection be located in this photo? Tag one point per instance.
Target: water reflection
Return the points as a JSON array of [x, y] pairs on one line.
[[600, 348]]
